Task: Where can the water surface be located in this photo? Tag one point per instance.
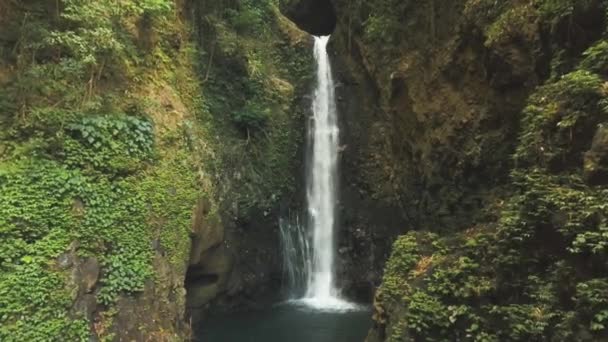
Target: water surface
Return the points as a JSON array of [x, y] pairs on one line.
[[286, 323]]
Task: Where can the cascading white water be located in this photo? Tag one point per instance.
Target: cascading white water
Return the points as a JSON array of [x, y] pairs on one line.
[[322, 178], [322, 183], [308, 251], [296, 254]]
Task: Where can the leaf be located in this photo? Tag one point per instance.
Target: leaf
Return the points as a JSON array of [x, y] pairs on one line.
[[27, 259]]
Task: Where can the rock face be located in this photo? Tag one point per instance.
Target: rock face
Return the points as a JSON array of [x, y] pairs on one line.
[[429, 122], [190, 100], [209, 263], [471, 121], [596, 159], [255, 278], [437, 116], [235, 261], [156, 313]]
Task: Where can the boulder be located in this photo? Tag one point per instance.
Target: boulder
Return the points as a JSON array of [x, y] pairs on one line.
[[88, 274]]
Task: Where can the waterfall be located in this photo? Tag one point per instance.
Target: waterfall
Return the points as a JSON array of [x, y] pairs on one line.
[[322, 179], [312, 257]]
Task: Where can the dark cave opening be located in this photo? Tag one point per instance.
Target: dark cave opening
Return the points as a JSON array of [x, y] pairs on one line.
[[317, 17]]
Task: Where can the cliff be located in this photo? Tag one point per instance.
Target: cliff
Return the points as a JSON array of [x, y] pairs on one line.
[[480, 126], [477, 130], [145, 149]]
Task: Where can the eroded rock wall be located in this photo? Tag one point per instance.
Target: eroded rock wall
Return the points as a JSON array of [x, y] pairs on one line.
[[455, 117], [476, 128], [146, 151]]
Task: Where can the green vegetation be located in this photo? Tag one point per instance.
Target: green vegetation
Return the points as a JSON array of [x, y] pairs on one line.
[[538, 272], [256, 63], [112, 126], [558, 112]]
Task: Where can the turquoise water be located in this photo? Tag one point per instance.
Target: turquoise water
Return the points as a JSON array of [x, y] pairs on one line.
[[286, 323]]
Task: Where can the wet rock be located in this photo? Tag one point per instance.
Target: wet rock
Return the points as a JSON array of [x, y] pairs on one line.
[[89, 274], [78, 207], [69, 258], [156, 313], [208, 278], [596, 159], [217, 261], [65, 260], [199, 296], [207, 232], [86, 306]]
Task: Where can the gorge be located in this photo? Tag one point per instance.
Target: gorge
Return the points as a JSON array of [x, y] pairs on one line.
[[162, 177], [319, 313]]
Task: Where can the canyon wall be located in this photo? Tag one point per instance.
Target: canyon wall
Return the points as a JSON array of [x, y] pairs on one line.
[[147, 149], [475, 131]]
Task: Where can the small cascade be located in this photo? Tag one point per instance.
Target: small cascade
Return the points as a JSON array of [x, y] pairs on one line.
[[296, 255]]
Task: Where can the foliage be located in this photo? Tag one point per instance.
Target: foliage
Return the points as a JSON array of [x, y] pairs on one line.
[[47, 206], [251, 118], [126, 272], [406, 253], [510, 24], [32, 228], [571, 208], [556, 113], [255, 76], [250, 17], [35, 296], [75, 178], [592, 303], [556, 10], [426, 313], [41, 218], [538, 272], [383, 25], [596, 58], [521, 322], [112, 144], [109, 143]]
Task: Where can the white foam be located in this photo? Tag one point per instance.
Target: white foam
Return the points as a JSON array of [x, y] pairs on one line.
[[326, 304]]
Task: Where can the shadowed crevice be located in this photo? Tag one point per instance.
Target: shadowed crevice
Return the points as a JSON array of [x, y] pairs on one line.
[[317, 17]]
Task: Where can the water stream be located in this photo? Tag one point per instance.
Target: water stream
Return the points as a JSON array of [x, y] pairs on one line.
[[322, 187]]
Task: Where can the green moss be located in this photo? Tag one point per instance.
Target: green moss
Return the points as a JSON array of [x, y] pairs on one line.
[[171, 191], [252, 89], [109, 141], [596, 58], [406, 253], [557, 112], [47, 206], [511, 23], [521, 278]]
